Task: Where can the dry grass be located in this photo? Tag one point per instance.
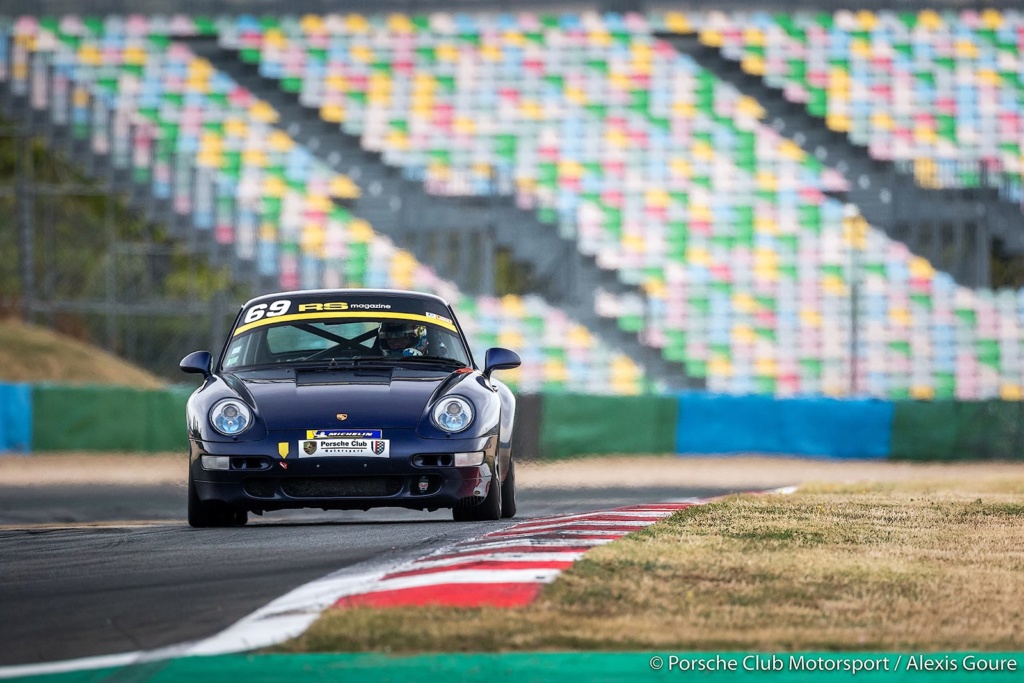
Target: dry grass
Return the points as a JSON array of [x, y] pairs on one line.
[[34, 354], [935, 566]]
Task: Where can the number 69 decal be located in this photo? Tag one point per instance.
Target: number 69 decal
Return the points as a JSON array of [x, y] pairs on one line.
[[257, 312]]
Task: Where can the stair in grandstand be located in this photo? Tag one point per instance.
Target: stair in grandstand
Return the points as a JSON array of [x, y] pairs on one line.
[[468, 226], [59, 139], [940, 225]]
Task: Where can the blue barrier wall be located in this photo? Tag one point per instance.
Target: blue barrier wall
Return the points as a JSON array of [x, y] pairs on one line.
[[710, 423], [15, 417]]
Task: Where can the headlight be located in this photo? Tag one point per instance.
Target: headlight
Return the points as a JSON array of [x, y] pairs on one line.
[[230, 417], [453, 414]]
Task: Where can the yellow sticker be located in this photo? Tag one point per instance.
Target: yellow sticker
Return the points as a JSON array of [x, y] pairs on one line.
[[282, 449], [412, 317]]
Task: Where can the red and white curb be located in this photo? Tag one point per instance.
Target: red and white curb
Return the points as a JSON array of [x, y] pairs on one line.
[[505, 568]]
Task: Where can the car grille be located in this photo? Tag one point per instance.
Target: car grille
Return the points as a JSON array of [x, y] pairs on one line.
[[261, 488], [341, 487]]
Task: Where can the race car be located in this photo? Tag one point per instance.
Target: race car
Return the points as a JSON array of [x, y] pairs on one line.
[[349, 399]]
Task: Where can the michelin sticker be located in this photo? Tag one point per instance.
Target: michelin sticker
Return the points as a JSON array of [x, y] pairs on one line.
[[344, 434], [366, 448]]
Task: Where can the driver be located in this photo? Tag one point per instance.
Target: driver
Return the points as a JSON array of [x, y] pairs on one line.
[[402, 339]]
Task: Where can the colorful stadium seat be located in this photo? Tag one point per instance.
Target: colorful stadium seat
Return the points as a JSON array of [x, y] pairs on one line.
[[214, 150]]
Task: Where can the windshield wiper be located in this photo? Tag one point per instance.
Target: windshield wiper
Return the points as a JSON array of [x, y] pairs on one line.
[[435, 360]]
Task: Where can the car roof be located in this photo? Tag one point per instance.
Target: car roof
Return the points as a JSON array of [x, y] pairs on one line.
[[314, 293]]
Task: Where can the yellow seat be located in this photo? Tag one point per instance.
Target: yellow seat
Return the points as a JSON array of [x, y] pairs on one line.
[[332, 113], [357, 23], [684, 110], [711, 37], [753, 64], [899, 316], [920, 392], [90, 55], [748, 106], [753, 36], [361, 53], [680, 167], [312, 239], [657, 198], [743, 302], [263, 112], [513, 38], [810, 317], [400, 23], [720, 367], [743, 334], [838, 122], [274, 187], [360, 230], [921, 268], [992, 19], [1010, 392], [703, 151], [599, 38], [677, 22], [342, 187], [579, 337], [278, 141], [336, 83], [274, 38], [698, 256], [254, 157], [235, 127], [867, 19], [513, 305], [929, 19], [791, 151], [576, 95], [446, 52], [570, 169], [511, 339], [834, 285], [319, 203], [312, 23]]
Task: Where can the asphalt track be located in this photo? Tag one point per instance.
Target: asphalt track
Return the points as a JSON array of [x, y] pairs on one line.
[[78, 580]]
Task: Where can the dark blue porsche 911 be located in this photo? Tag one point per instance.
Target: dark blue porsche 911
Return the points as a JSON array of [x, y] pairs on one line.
[[349, 399]]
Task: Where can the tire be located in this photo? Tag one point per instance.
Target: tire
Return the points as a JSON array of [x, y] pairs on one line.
[[487, 509], [202, 515], [508, 492]]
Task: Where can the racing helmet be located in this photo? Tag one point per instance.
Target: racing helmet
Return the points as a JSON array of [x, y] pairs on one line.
[[402, 339]]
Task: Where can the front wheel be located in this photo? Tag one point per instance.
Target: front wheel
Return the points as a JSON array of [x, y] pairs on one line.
[[202, 514], [487, 510]]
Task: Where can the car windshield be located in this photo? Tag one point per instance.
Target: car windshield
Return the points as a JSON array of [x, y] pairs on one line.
[[395, 339]]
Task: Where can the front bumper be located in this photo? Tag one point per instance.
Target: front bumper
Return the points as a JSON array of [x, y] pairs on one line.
[[418, 474]]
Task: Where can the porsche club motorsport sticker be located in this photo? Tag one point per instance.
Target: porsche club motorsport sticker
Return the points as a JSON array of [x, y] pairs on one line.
[[367, 448]]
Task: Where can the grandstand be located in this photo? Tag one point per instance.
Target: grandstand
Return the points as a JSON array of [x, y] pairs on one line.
[[717, 248]]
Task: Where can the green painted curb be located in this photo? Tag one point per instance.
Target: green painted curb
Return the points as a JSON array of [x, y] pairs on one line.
[[560, 667]]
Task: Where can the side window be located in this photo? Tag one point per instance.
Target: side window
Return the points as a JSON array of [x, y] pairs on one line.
[[236, 353]]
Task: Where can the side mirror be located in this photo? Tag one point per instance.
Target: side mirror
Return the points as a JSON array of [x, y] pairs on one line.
[[500, 359], [197, 362]]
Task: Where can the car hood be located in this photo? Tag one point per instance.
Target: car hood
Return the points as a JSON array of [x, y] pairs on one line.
[[369, 399]]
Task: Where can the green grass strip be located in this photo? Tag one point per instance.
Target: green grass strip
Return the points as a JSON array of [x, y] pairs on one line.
[[709, 667]]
